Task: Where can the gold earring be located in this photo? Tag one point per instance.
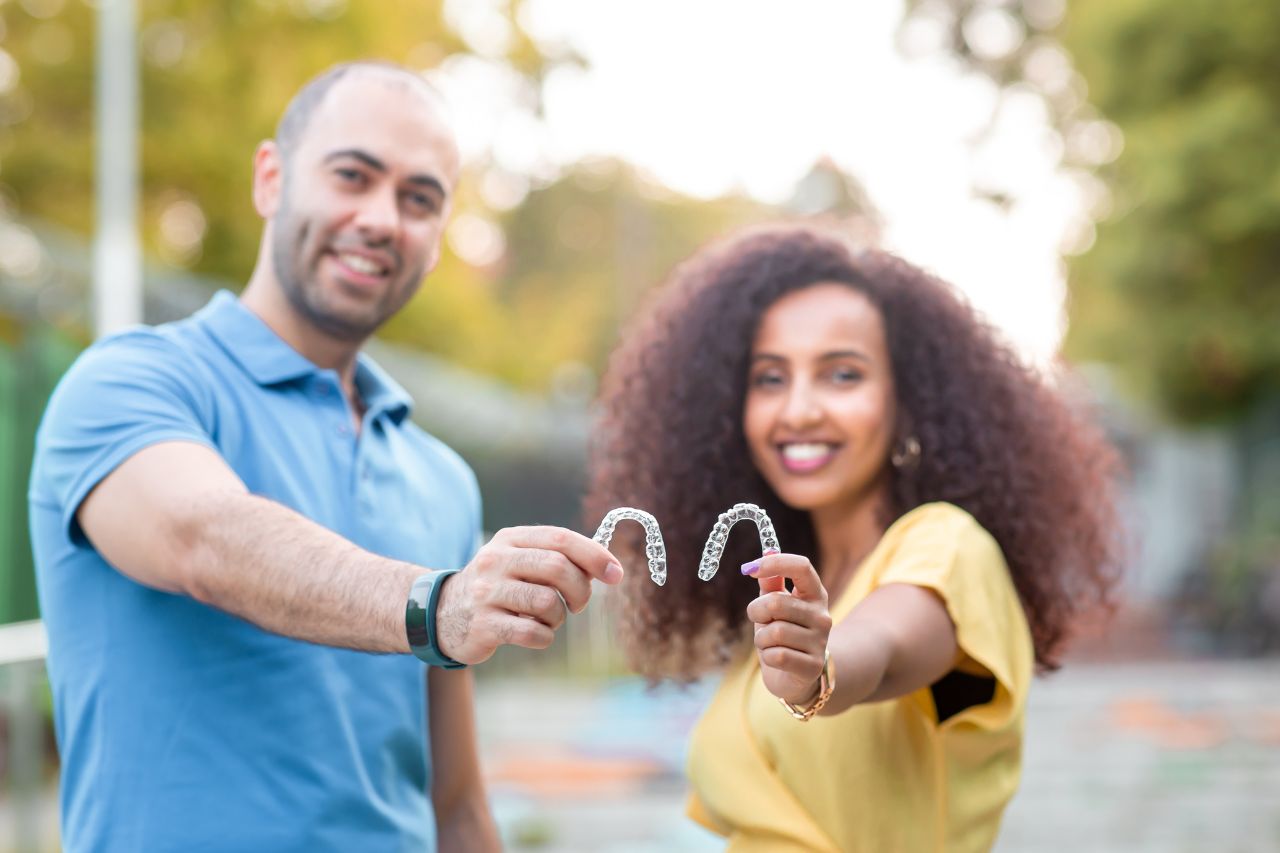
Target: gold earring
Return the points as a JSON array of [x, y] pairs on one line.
[[909, 455]]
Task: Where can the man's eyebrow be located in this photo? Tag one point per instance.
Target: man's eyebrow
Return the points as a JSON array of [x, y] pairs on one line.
[[363, 156], [422, 180]]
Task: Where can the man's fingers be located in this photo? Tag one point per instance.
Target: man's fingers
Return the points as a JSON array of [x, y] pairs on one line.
[[793, 567], [510, 630], [542, 603], [587, 554], [553, 569]]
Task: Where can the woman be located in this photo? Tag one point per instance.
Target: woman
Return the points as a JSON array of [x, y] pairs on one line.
[[946, 517]]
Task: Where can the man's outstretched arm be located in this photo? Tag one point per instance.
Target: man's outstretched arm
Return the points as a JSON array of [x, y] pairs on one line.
[[174, 516]]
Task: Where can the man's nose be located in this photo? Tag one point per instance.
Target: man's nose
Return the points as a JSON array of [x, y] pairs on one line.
[[378, 216]]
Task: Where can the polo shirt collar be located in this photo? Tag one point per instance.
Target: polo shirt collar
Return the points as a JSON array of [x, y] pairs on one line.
[[250, 341], [267, 358], [381, 393]]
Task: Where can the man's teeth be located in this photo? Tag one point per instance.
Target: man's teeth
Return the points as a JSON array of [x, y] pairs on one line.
[[360, 264], [806, 452]]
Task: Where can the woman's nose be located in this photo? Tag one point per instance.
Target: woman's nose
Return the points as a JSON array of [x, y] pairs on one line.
[[802, 407]]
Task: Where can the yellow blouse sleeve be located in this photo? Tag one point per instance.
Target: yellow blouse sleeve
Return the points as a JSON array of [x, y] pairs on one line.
[[698, 813], [942, 548]]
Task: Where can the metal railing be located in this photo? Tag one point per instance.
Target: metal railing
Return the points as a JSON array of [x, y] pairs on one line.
[[23, 648]]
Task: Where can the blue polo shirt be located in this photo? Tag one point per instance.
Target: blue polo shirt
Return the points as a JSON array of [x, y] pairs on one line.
[[185, 728]]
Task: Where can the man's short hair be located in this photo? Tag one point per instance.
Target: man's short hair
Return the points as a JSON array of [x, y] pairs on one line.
[[297, 115]]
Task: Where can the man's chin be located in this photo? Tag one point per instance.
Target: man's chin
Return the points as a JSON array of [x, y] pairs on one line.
[[350, 310], [348, 323]]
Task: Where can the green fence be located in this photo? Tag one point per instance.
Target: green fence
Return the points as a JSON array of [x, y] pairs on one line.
[[32, 357]]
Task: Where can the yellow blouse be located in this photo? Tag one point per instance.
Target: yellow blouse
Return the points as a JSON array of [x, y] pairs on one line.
[[886, 776]]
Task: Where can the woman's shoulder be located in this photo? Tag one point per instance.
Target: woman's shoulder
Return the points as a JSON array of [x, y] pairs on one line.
[[937, 516], [944, 526]]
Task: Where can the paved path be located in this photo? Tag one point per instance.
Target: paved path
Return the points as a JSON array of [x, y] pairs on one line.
[[1163, 757], [1135, 758]]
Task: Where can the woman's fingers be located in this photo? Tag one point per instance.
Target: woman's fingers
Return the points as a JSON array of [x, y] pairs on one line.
[[778, 568], [785, 635], [800, 670], [785, 607]]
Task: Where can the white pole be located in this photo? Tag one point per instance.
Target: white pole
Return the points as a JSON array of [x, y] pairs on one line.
[[117, 257]]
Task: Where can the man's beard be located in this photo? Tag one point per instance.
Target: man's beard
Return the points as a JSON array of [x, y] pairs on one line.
[[306, 296]]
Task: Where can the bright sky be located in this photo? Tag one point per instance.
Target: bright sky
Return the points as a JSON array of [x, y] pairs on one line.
[[713, 95]]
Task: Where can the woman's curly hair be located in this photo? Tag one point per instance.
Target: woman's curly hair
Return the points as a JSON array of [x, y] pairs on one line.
[[997, 440]]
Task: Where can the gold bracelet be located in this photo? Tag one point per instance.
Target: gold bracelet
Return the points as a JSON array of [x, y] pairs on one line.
[[826, 686]]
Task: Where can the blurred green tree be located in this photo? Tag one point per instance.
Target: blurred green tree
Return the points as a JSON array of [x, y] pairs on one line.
[[214, 78], [539, 279], [554, 278], [1180, 289]]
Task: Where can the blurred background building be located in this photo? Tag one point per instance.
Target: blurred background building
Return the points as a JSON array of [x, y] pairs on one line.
[[1101, 178]]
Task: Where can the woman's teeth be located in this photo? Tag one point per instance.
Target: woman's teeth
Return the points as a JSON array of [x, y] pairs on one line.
[[807, 452]]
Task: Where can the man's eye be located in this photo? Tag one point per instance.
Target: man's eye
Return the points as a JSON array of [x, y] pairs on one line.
[[420, 202], [350, 176]]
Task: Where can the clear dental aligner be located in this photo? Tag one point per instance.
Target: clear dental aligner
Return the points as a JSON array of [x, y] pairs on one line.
[[654, 549], [720, 534]]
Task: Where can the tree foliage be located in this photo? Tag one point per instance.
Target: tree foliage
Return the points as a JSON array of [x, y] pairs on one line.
[[579, 254], [1183, 284], [214, 79], [1180, 290], [562, 266]]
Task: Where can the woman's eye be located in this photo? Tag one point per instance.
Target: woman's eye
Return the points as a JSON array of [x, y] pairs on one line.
[[845, 375], [764, 380]]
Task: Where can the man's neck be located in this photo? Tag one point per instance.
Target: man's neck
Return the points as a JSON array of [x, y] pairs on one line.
[[272, 307]]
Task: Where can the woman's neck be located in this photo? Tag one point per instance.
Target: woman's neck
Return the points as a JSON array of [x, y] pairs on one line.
[[845, 536]]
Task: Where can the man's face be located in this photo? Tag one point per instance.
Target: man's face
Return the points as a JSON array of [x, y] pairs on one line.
[[363, 205]]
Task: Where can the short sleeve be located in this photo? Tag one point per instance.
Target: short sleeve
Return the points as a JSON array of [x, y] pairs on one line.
[[477, 518], [465, 485], [696, 811], [121, 396], [944, 549]]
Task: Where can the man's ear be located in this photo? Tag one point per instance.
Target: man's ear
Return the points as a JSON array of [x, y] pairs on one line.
[[434, 257], [268, 178]]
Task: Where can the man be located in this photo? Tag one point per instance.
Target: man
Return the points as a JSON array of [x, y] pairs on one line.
[[231, 512]]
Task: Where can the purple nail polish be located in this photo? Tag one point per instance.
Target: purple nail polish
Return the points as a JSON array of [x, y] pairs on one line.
[[751, 568]]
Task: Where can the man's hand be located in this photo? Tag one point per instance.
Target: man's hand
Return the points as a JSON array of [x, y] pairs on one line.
[[791, 628], [516, 590]]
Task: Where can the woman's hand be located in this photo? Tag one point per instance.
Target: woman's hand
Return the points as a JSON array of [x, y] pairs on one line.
[[792, 628]]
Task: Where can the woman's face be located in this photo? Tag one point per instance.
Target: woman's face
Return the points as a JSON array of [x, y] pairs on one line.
[[820, 406]]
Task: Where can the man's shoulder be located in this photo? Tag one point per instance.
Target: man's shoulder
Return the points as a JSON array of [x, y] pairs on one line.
[[171, 346], [126, 368]]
